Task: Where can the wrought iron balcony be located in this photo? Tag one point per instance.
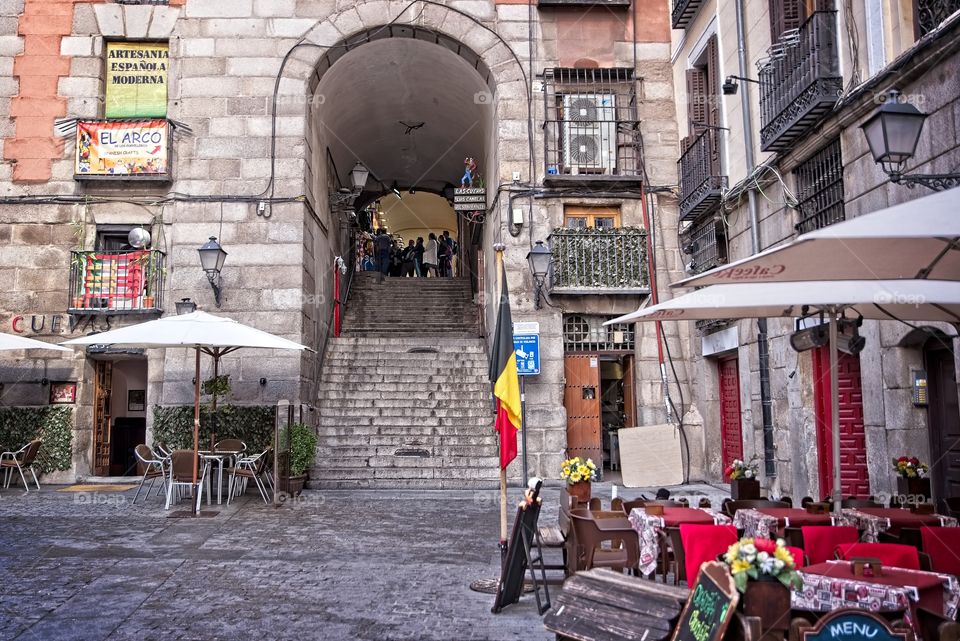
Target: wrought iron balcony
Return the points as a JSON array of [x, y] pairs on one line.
[[706, 246], [595, 261], [684, 12], [116, 282], [701, 186], [800, 82], [928, 14]]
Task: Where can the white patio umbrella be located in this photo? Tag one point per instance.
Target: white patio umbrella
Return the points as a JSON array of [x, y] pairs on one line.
[[908, 300], [11, 342], [206, 333], [916, 239]]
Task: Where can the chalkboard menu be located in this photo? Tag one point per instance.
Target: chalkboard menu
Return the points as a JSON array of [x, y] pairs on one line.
[[852, 625], [710, 606], [515, 563]]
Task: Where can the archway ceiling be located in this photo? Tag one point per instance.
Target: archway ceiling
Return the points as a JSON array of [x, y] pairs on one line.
[[417, 212], [371, 89]]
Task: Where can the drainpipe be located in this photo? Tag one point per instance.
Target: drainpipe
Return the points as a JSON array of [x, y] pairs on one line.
[[763, 347]]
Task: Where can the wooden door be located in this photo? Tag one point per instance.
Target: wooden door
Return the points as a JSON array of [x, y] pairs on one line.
[[943, 414], [731, 431], [854, 477], [581, 398], [103, 382], [629, 393]]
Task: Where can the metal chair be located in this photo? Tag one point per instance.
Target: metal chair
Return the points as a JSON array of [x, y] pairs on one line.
[[181, 475], [154, 467], [21, 460], [251, 467]]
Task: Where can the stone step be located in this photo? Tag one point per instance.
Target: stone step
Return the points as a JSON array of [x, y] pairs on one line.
[[404, 484], [459, 411], [397, 360], [358, 469], [407, 451], [412, 378], [371, 404], [395, 441], [421, 432], [421, 389], [399, 421], [403, 343]]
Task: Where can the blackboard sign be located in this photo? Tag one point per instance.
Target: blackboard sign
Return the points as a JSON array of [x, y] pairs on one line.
[[515, 564], [852, 625], [710, 606]]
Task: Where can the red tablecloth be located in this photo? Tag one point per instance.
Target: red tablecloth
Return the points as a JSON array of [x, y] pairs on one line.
[[795, 517], [901, 518], [832, 585], [674, 516]]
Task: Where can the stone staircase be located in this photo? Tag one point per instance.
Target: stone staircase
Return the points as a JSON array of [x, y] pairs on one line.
[[404, 399]]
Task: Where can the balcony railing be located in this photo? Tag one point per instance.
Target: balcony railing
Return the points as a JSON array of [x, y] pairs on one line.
[[701, 188], [683, 12], [592, 261], [116, 282], [800, 82], [928, 14], [706, 246]]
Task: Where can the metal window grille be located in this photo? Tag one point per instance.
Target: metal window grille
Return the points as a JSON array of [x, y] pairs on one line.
[[599, 258], [587, 334], [116, 282], [706, 246], [590, 122], [928, 14], [820, 189]]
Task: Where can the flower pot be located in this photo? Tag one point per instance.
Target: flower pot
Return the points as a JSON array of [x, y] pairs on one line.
[[744, 489], [580, 490], [913, 491], [769, 600], [293, 485], [148, 302]]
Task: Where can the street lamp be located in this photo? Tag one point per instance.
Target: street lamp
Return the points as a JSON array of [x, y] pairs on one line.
[[358, 177], [211, 259], [892, 134], [185, 306], [539, 259]]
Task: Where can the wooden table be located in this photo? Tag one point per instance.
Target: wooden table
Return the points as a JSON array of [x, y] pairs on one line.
[[767, 522], [832, 585], [873, 520], [648, 527]]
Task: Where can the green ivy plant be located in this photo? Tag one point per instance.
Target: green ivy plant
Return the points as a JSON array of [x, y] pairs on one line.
[[607, 258], [303, 448], [252, 424], [53, 424]]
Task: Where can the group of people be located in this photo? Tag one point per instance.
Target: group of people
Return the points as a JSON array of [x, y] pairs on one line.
[[417, 259]]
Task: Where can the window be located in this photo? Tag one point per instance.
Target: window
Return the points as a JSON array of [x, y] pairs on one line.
[[113, 237], [705, 246], [786, 16], [591, 217], [587, 334], [820, 189], [591, 123]]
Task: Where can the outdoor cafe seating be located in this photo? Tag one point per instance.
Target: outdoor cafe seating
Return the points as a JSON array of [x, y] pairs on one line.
[[152, 466], [181, 476], [21, 460]]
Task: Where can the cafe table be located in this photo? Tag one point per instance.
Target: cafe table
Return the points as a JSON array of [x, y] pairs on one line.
[[649, 526], [832, 585], [218, 457], [874, 520], [767, 522]]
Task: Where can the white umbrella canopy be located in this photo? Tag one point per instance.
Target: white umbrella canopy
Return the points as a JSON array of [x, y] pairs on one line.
[[912, 240], [909, 300], [214, 335], [11, 342]]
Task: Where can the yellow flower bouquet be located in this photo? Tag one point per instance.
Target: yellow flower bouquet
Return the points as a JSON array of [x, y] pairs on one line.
[[575, 470], [752, 558]]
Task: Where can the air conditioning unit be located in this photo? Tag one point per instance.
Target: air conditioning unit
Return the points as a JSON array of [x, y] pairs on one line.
[[589, 133]]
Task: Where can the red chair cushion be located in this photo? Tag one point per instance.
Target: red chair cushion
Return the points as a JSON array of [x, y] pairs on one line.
[[702, 543], [819, 541], [943, 546], [891, 554], [797, 555]]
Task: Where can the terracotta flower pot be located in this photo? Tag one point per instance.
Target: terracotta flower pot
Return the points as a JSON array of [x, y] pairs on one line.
[[769, 600], [580, 490], [744, 489]]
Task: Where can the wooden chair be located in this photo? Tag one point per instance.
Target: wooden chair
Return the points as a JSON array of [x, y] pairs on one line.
[[21, 460], [855, 503], [936, 626], [890, 554], [952, 505], [556, 536], [622, 551], [941, 544], [702, 543], [819, 542]]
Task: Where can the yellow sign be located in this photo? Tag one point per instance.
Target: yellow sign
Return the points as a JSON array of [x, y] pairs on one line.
[[137, 79], [122, 149]]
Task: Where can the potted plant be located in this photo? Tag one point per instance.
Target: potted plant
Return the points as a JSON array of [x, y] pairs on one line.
[[578, 474], [743, 479], [913, 480], [764, 571], [303, 452]]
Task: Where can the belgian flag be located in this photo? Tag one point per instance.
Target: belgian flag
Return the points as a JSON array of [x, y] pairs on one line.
[[504, 377]]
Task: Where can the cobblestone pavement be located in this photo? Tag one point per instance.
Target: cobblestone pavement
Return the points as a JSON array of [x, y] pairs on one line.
[[377, 565]]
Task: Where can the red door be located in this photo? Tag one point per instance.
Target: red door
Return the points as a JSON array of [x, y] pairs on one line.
[[731, 436], [854, 479]]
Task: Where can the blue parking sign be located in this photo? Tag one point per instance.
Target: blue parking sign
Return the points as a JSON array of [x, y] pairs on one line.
[[527, 348]]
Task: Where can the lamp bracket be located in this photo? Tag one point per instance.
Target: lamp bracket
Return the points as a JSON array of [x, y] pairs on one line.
[[214, 278], [342, 198], [936, 182]]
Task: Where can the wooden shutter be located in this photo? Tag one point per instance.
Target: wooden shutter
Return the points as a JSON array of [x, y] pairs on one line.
[[713, 104], [696, 99], [784, 15]]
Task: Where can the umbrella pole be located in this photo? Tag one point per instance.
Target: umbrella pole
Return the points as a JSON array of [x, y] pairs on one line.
[[835, 413], [196, 425]]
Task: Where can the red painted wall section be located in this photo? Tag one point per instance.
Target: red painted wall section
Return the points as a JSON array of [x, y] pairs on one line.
[[33, 147], [590, 32]]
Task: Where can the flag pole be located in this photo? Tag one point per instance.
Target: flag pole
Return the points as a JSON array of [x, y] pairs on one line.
[[498, 248]]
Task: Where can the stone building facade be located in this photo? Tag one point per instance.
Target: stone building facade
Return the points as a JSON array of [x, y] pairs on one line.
[[811, 167], [270, 104]]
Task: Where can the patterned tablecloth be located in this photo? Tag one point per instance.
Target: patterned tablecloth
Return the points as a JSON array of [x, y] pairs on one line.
[[648, 527], [900, 589], [873, 524], [755, 523]]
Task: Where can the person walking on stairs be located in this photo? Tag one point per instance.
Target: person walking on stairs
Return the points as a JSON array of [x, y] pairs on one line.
[[418, 257], [382, 244], [430, 256]]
